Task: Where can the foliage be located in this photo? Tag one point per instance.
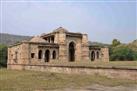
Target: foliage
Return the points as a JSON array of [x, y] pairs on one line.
[[122, 53], [133, 45], [3, 55], [115, 42]]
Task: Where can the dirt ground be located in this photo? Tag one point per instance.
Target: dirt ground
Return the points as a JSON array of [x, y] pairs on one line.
[[97, 87]]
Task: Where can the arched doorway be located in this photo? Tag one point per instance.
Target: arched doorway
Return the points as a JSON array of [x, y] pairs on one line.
[[72, 52], [92, 56], [97, 55], [40, 54], [54, 54], [47, 56]]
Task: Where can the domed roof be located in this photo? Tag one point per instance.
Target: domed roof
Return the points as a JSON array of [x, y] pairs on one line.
[[37, 39], [60, 29]]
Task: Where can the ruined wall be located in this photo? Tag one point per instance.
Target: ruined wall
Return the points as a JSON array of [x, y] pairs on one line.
[[97, 54], [105, 54], [18, 54], [35, 48], [123, 73], [24, 55]]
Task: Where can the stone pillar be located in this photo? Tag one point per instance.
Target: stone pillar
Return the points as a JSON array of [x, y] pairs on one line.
[[63, 46], [56, 38], [95, 55], [78, 50], [50, 40], [85, 47], [105, 54], [43, 56], [99, 55], [51, 56]]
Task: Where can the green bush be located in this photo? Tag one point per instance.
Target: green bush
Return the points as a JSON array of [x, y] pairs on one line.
[[3, 55], [122, 53], [115, 42]]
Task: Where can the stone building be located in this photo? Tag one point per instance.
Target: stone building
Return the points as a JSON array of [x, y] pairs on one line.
[[59, 45]]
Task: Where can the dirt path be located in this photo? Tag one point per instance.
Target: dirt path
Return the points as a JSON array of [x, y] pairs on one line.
[[97, 87]]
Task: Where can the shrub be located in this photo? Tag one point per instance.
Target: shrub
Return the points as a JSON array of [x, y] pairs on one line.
[[115, 42], [3, 55], [122, 53]]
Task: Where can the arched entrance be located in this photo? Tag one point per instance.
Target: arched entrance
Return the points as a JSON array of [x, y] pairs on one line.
[[40, 54], [47, 56], [97, 55], [72, 51], [54, 54], [92, 56]]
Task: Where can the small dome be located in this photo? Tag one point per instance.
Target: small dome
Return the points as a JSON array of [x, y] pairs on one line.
[[60, 29], [37, 39]]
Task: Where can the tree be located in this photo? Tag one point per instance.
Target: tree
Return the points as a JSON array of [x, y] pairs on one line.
[[123, 53], [115, 43], [3, 55]]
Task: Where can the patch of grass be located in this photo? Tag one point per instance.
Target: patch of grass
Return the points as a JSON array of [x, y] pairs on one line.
[[13, 80]]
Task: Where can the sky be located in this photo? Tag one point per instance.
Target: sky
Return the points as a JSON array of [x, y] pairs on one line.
[[101, 20]]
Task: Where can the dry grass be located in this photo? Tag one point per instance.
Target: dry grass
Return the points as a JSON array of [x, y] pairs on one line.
[[13, 80]]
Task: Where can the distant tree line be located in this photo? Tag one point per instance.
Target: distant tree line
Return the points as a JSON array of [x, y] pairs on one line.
[[122, 52]]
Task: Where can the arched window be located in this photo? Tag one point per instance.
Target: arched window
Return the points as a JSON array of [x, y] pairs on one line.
[[72, 51], [47, 56], [92, 56], [54, 54], [97, 55], [40, 54]]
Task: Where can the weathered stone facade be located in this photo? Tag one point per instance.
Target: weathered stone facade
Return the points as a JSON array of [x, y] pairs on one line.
[[60, 45]]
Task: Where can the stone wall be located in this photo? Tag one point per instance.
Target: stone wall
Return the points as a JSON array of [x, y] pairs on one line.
[[85, 47], [34, 48], [63, 39], [68, 46], [123, 73], [99, 54], [18, 54], [105, 56], [78, 51], [62, 46]]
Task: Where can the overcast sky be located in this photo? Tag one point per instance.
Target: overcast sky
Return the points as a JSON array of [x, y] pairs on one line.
[[102, 21]]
